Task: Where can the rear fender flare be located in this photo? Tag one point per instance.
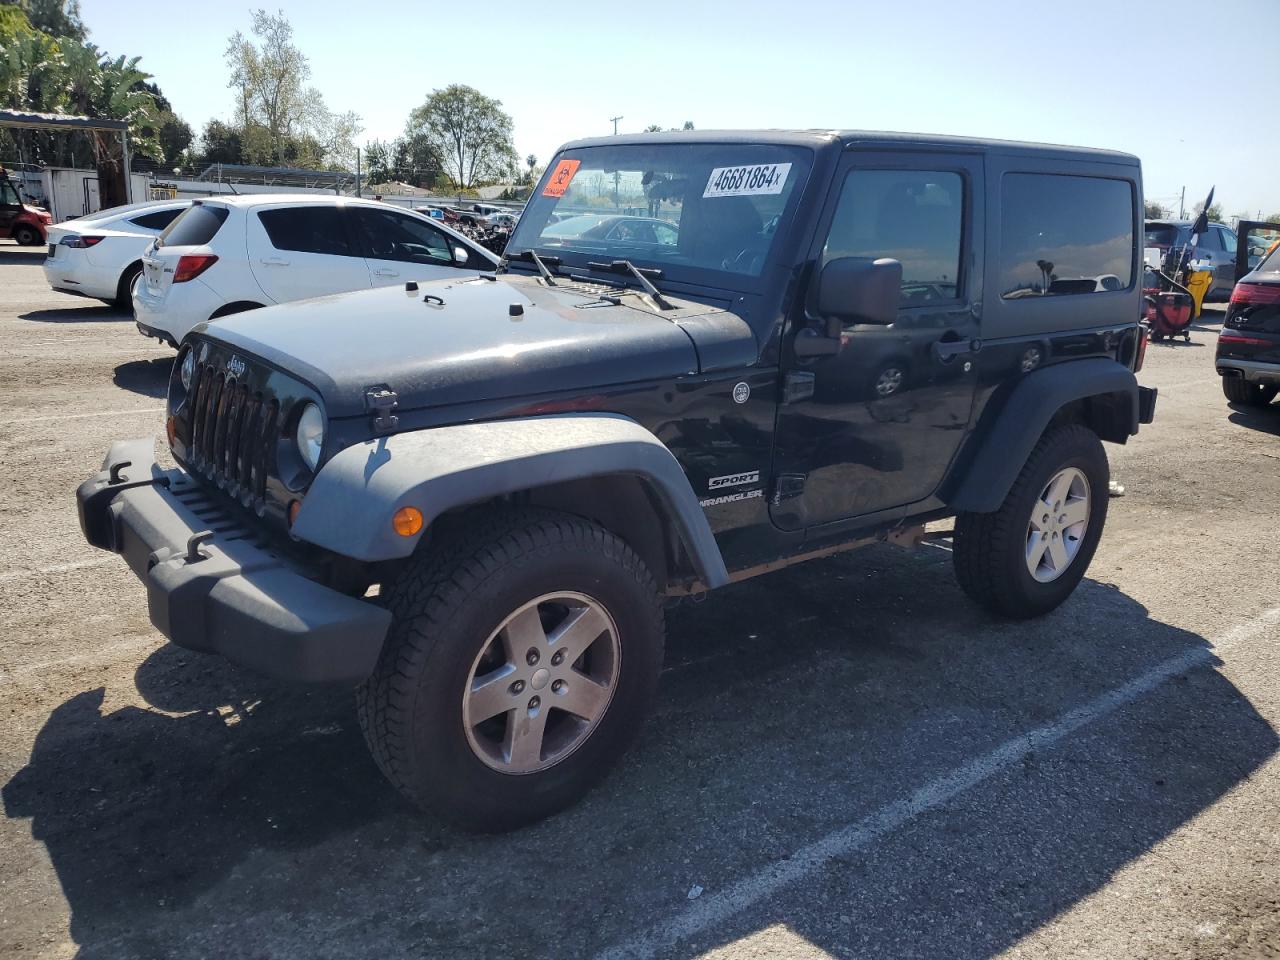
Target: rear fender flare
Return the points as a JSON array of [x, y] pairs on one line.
[[1004, 442], [349, 506]]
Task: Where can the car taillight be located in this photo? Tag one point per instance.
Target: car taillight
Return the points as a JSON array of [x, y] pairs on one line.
[[191, 265], [1140, 354], [1244, 341], [80, 242], [1256, 293]]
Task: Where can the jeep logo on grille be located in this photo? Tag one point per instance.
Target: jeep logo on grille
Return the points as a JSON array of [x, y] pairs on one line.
[[235, 366]]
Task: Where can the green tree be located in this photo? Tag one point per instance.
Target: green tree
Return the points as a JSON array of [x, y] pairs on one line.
[[57, 18], [280, 119], [220, 143], [1154, 211], [469, 132], [1215, 211], [377, 161]]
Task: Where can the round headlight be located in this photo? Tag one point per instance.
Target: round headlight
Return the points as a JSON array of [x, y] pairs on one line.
[[188, 369], [310, 435]]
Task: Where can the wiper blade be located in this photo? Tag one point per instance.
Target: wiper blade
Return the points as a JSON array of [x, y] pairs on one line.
[[542, 268], [618, 266], [539, 262]]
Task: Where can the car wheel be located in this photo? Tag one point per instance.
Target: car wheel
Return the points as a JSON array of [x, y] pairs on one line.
[[27, 236], [126, 287], [521, 659], [889, 381], [1027, 557], [1239, 390]]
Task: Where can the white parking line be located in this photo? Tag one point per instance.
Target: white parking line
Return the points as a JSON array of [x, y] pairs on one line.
[[79, 416], [57, 568], [714, 908]]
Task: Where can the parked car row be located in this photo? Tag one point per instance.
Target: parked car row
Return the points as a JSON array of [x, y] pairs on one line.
[[180, 263]]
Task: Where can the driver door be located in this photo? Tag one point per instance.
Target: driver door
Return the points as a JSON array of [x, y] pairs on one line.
[[10, 207], [874, 427]]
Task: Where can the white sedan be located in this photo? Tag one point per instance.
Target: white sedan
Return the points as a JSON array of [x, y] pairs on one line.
[[232, 254], [100, 255]]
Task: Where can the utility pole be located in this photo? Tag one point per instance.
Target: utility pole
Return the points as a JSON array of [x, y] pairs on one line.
[[614, 121], [616, 174], [358, 194], [1181, 201]]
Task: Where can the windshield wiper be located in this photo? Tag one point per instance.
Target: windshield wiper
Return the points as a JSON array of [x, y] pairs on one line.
[[540, 262], [618, 266]]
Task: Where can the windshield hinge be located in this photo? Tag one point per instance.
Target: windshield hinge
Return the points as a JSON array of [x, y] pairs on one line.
[[380, 401]]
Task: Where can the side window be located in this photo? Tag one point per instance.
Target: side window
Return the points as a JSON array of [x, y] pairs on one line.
[[913, 216], [156, 221], [1229, 240], [307, 230], [1209, 240], [388, 235], [1064, 235], [8, 195]]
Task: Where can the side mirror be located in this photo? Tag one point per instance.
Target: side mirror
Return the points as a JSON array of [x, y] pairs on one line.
[[861, 290], [460, 255]]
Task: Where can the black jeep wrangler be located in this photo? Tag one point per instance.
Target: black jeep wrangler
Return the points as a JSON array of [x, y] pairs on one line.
[[705, 357]]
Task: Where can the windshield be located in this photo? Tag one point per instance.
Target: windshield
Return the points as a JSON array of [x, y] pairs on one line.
[[695, 211]]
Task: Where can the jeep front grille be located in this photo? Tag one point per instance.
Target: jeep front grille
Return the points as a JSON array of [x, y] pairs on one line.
[[233, 432]]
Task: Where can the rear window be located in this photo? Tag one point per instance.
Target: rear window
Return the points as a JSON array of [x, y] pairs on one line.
[[196, 226], [1161, 235], [156, 221], [307, 230], [1064, 235]]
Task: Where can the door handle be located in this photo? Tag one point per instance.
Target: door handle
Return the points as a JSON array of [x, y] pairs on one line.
[[386, 273], [274, 262], [948, 350]]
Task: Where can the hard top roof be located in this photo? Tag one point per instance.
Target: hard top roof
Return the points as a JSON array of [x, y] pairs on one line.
[[845, 138]]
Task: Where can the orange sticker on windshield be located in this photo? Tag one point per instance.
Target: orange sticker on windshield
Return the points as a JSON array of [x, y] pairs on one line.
[[560, 180]]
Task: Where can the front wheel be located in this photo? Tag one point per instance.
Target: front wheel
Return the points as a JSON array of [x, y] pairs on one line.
[[27, 236], [1239, 390], [1026, 558], [524, 651]]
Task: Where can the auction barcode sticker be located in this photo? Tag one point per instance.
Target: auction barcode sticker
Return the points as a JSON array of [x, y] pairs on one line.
[[763, 178]]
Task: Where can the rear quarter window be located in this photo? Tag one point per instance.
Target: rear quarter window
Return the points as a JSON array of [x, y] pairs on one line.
[[197, 225], [156, 221], [1064, 235]]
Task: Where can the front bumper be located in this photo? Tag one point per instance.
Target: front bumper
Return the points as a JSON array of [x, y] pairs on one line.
[[1255, 371], [229, 594]]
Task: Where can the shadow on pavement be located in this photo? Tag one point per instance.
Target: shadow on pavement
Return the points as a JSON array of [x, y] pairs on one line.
[[147, 377], [92, 311], [12, 253], [791, 707], [1262, 419]]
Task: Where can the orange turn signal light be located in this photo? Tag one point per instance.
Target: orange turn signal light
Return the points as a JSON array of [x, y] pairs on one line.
[[407, 521], [294, 507], [171, 429]]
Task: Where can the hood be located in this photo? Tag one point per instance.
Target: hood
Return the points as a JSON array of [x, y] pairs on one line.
[[491, 339]]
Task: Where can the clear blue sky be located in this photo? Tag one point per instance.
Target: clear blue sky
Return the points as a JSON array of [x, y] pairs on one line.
[[1157, 79]]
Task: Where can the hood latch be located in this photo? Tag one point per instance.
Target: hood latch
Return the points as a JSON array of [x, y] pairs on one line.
[[380, 401]]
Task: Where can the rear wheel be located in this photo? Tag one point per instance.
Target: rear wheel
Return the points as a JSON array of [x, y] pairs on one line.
[[27, 236], [522, 657], [1240, 390], [1026, 558], [125, 288]]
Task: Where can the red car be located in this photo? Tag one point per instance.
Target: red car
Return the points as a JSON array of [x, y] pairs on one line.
[[21, 221]]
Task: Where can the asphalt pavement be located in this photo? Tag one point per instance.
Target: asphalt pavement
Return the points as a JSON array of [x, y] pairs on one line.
[[847, 759]]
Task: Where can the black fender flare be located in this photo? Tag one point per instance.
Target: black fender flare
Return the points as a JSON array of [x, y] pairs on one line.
[[1007, 440], [349, 505]]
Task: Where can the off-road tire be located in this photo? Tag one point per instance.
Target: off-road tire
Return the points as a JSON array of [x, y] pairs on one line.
[[27, 236], [990, 548], [1239, 390], [124, 289], [445, 605]]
